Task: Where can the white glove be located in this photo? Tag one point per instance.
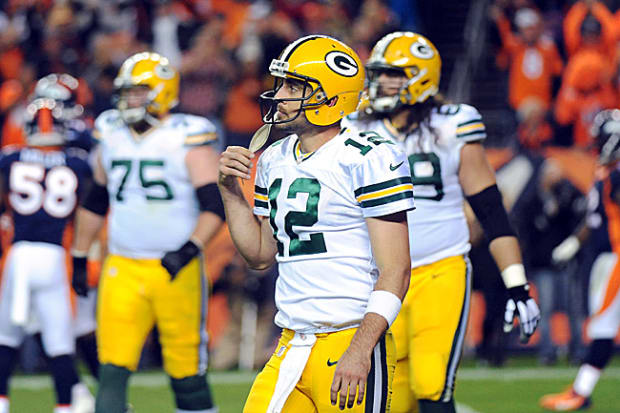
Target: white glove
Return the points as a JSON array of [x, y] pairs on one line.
[[566, 250], [526, 310]]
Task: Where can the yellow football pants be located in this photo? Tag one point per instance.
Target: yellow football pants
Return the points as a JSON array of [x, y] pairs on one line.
[[429, 333], [312, 393], [134, 295]]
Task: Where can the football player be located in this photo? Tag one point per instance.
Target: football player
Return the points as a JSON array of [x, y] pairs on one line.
[[330, 207], [447, 161], [63, 89], [603, 230], [42, 183], [156, 173]]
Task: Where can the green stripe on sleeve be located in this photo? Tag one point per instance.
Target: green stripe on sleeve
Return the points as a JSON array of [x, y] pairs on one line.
[[382, 185], [469, 122], [259, 190], [387, 199], [476, 132], [260, 204]]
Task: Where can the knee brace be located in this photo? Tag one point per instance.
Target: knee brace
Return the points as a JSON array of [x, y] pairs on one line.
[[192, 393]]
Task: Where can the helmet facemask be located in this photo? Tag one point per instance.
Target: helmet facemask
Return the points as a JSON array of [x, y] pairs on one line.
[[312, 95], [133, 113], [382, 102], [45, 125]]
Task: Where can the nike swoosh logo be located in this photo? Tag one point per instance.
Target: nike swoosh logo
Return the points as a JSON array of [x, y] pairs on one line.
[[393, 168], [331, 363]]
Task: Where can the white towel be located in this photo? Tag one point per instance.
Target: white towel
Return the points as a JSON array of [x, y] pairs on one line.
[[291, 368]]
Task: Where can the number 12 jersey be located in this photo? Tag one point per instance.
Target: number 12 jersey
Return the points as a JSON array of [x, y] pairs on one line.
[[317, 205]]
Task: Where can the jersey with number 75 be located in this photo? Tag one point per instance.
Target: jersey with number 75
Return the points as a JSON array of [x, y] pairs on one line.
[[153, 205], [42, 188]]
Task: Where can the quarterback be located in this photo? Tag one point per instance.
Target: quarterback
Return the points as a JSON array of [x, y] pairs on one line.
[[156, 172], [330, 207], [447, 161]]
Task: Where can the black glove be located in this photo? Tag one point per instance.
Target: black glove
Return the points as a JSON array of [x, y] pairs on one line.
[[79, 281], [526, 310], [174, 261]]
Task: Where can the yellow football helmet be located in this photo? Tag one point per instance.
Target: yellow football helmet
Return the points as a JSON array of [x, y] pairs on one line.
[[153, 71], [329, 67], [412, 54]]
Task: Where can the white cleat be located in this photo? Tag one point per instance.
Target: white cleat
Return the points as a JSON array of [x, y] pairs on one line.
[[82, 401]]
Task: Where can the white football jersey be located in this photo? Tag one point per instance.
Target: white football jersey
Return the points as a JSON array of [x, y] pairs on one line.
[[153, 205], [437, 228], [317, 207]]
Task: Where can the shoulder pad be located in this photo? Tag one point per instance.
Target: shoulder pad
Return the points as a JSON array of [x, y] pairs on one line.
[[107, 121], [197, 129], [464, 123], [77, 153]]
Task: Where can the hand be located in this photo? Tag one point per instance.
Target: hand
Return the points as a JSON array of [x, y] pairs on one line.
[[236, 161], [351, 373], [174, 261], [80, 276], [527, 312], [565, 251]]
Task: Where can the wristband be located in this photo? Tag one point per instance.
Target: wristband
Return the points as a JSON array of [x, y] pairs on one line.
[[514, 275], [78, 254], [384, 303]]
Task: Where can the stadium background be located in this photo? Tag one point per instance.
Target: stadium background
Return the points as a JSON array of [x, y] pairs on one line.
[[222, 49]]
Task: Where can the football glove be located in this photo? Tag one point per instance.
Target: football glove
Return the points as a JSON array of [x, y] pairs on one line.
[[174, 261], [80, 276], [566, 250], [525, 308]]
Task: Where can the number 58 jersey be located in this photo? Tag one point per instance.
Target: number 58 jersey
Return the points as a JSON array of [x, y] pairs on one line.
[[153, 205], [317, 205], [43, 187], [437, 228]]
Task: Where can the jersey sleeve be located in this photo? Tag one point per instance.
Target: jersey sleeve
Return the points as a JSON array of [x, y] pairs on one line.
[[198, 131], [261, 195], [469, 125], [382, 181], [106, 122]]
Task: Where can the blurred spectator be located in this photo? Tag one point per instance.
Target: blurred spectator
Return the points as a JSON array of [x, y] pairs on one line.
[[589, 25], [586, 90], [534, 58], [548, 211], [534, 130]]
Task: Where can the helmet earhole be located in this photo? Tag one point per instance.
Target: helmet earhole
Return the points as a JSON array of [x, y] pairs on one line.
[[332, 101]]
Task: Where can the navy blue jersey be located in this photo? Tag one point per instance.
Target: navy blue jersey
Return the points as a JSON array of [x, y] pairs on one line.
[[42, 190]]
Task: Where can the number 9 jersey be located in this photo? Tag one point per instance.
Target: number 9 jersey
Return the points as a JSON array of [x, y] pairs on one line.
[[153, 205], [438, 228], [317, 205]]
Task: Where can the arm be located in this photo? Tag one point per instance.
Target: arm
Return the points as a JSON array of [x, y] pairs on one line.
[[89, 220], [89, 217], [252, 236], [390, 246], [201, 163], [478, 182]]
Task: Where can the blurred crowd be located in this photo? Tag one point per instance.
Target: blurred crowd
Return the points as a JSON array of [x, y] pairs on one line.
[[562, 59]]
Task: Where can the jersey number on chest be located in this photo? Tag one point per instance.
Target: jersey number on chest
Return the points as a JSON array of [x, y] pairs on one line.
[[162, 191], [426, 176], [307, 218]]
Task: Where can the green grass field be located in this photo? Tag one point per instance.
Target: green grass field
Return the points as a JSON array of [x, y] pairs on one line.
[[479, 390]]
